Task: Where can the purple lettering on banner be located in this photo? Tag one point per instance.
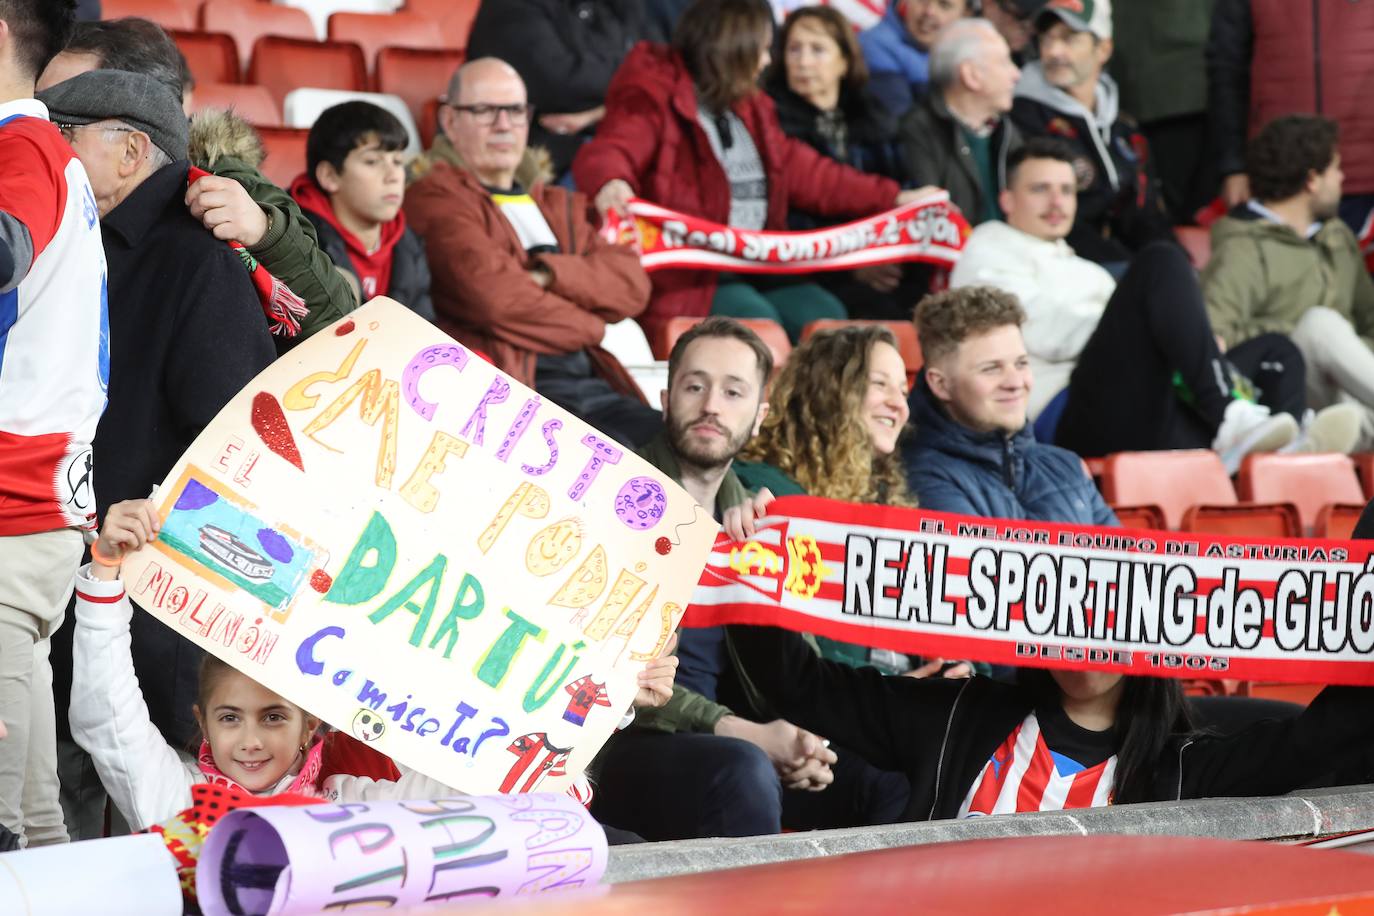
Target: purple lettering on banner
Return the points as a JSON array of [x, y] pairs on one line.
[[517, 429], [476, 427], [603, 453], [641, 502], [550, 428], [427, 359]]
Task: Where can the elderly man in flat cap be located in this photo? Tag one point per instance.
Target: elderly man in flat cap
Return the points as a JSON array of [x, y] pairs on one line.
[[186, 325]]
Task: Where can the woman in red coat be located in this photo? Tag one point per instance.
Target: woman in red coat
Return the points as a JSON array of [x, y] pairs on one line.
[[687, 128]]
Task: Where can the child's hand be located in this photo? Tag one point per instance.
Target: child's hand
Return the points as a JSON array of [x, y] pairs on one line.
[[656, 680], [128, 526]]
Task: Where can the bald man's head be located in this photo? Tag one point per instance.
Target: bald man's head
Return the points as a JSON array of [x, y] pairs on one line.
[[486, 118]]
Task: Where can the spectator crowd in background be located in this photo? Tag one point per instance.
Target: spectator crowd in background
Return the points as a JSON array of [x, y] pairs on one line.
[[1075, 136]]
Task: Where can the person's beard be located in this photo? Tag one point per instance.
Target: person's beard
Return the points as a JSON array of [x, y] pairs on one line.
[[705, 457]]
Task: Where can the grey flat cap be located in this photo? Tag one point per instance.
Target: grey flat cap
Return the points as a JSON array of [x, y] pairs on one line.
[[137, 100]]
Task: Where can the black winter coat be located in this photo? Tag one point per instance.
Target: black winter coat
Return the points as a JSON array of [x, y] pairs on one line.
[[187, 333], [409, 284], [872, 142], [935, 153], [941, 733]]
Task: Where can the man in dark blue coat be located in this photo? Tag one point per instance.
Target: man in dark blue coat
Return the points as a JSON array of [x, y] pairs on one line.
[[973, 451]]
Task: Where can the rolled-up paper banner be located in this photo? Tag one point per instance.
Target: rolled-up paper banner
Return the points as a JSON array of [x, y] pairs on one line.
[[119, 876], [281, 861]]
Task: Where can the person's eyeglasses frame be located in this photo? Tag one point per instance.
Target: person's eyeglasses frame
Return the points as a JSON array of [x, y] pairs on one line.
[[68, 129], [487, 115]]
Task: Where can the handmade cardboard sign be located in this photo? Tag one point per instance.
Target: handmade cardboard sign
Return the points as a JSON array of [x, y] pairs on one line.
[[391, 533], [1046, 595]]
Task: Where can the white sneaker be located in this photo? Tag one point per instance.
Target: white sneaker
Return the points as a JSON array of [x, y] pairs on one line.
[[1247, 428], [1331, 429]]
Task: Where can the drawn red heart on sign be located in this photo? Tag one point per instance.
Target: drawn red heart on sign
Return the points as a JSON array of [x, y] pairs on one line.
[[269, 422]]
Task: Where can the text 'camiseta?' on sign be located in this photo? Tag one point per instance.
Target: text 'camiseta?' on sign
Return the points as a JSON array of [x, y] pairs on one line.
[[403, 540]]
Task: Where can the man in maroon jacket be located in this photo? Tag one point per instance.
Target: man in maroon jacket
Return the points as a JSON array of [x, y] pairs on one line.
[[519, 272], [1267, 58]]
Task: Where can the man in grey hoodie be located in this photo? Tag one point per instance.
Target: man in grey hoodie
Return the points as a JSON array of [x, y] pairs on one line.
[[1067, 94]]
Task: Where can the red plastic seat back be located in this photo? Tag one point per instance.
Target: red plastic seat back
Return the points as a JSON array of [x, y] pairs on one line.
[[1172, 480], [249, 20], [1307, 481], [1265, 520], [419, 76], [283, 64], [285, 153], [252, 103], [374, 31], [212, 56]]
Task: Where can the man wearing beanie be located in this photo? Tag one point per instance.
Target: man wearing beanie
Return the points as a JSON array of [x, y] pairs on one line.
[[186, 323]]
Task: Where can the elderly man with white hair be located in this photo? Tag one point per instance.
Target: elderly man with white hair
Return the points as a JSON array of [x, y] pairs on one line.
[[959, 136]]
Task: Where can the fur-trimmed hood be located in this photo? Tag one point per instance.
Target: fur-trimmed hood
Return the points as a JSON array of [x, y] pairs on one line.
[[218, 134], [536, 166]]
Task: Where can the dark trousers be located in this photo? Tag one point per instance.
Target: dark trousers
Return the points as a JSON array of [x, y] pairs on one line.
[[666, 786], [1121, 393]]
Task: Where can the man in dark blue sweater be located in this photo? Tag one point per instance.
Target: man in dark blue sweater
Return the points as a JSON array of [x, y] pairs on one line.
[[973, 452]]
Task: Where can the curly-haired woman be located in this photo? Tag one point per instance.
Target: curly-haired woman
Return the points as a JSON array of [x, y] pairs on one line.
[[835, 414]]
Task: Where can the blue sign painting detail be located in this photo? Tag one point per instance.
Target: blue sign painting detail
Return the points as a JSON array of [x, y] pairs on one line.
[[225, 538]]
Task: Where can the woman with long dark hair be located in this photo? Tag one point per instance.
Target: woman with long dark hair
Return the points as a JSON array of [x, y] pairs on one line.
[[687, 128], [1054, 740]]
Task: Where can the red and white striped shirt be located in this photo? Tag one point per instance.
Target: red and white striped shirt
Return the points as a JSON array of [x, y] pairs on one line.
[[1025, 775], [54, 330]]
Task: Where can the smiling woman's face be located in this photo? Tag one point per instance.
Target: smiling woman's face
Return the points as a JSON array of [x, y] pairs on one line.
[[884, 405]]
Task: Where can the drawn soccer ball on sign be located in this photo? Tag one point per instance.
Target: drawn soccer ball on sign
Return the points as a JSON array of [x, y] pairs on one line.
[[368, 726]]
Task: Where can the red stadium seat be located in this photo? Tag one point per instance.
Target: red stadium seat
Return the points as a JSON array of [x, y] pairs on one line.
[[1263, 520], [1172, 480], [212, 56], [252, 103], [1307, 481], [249, 20], [374, 31], [418, 76], [770, 332], [283, 64], [285, 153], [908, 344], [455, 21], [1338, 520], [170, 14], [1197, 242], [1151, 517]]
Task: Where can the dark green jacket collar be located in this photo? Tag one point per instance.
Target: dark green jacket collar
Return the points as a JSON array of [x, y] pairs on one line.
[[661, 455]]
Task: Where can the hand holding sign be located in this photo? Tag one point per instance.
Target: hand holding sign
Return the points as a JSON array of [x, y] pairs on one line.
[[382, 528]]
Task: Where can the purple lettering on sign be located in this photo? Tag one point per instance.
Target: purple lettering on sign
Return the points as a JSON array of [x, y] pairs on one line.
[[603, 453], [550, 428], [476, 427], [428, 358], [641, 503], [517, 429]]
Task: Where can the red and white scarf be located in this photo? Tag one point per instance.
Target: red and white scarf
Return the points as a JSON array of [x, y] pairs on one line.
[[930, 229], [283, 308]]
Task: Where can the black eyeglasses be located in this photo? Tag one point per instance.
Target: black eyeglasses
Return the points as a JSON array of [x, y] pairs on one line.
[[487, 115]]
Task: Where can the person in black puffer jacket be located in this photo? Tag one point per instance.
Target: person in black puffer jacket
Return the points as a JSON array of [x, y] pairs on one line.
[[566, 51]]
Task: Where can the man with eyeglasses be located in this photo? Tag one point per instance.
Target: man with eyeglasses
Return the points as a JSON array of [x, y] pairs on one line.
[[1068, 95], [54, 367], [519, 272], [186, 325]]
